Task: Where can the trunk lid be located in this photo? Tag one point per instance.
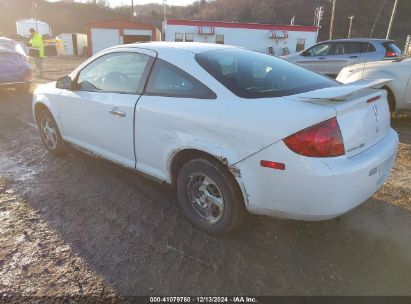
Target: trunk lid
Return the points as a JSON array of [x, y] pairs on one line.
[[361, 109]]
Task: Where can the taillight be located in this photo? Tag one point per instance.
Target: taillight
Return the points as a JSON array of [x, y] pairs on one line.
[[321, 140], [391, 54]]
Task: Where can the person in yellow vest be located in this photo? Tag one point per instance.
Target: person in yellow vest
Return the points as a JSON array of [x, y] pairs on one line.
[[36, 42]]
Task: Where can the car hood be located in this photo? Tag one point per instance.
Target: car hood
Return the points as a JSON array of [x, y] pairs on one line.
[[45, 88]]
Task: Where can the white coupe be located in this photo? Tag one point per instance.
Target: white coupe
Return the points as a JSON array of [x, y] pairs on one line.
[[399, 90], [233, 130]]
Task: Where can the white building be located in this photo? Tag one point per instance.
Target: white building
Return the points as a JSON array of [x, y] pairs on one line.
[[272, 39], [72, 44]]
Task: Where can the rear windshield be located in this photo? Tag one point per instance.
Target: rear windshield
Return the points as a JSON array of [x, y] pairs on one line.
[[391, 47], [250, 74]]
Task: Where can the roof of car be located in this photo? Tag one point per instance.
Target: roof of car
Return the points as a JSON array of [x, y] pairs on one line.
[[192, 47], [358, 40]]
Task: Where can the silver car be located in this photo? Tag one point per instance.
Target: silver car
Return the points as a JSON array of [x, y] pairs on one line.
[[330, 57]]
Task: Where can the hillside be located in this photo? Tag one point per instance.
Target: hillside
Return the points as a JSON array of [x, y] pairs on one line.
[[73, 17]]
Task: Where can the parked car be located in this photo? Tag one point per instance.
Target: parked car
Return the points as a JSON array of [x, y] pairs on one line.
[[14, 67], [399, 90], [329, 57], [232, 129]]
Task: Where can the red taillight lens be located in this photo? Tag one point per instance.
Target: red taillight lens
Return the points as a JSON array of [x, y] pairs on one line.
[[391, 54], [321, 140]]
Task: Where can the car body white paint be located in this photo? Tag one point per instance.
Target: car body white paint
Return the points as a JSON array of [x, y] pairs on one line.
[[399, 72], [239, 132]]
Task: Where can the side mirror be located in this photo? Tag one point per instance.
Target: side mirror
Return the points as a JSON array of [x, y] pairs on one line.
[[305, 53], [65, 83]]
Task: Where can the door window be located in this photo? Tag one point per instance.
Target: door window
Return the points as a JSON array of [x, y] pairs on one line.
[[168, 80], [347, 48], [115, 72], [320, 50]]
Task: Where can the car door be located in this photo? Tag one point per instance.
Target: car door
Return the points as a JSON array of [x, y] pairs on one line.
[[316, 58], [342, 55], [98, 113], [174, 107]]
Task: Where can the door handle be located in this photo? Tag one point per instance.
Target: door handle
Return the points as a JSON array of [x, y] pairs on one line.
[[117, 113], [321, 58], [352, 57]]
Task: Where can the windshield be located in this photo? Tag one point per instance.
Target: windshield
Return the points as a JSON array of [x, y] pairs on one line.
[[250, 74]]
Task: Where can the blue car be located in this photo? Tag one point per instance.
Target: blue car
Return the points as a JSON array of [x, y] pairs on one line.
[[14, 67]]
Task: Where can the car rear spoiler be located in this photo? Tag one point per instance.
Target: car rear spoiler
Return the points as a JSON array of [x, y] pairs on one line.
[[342, 92]]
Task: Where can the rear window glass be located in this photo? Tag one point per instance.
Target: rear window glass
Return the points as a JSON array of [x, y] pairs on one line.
[[367, 47], [168, 80], [390, 46], [250, 74]]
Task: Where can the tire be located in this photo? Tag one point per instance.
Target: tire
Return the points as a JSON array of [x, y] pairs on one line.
[[209, 196], [391, 103], [50, 133]]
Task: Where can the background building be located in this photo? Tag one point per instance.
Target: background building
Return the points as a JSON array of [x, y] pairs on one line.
[[272, 39], [104, 34]]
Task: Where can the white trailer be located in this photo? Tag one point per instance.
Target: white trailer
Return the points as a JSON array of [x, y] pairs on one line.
[[277, 40], [24, 26]]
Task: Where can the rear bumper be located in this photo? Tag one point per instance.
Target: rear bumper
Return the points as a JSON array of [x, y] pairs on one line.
[[313, 188]]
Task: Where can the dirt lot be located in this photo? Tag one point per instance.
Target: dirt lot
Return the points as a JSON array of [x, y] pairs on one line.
[[81, 226]]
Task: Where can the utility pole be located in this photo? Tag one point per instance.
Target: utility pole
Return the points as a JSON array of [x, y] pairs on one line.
[[349, 31], [164, 10], [332, 19], [132, 10], [394, 10]]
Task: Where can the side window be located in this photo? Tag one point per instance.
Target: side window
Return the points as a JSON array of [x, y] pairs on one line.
[[348, 48], [168, 80], [367, 47], [320, 50], [115, 72]]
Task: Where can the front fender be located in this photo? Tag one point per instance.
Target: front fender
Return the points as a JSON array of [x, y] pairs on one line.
[[40, 98]]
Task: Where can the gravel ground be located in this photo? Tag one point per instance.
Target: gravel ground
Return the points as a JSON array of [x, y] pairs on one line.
[[76, 225]]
